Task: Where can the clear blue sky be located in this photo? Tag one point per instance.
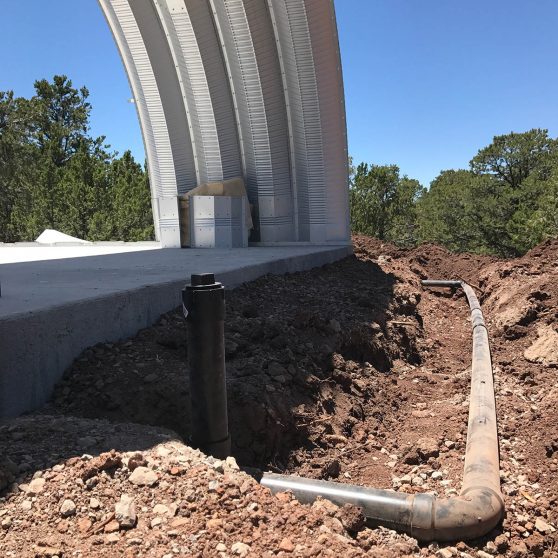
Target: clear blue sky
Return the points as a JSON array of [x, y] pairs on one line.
[[427, 82]]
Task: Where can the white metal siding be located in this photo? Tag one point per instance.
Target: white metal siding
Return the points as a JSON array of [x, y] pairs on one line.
[[164, 70], [250, 88]]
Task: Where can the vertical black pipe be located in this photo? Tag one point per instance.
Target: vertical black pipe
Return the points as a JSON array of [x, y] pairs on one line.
[[204, 303]]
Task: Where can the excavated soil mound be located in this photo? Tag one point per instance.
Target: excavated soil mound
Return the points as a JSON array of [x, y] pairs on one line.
[[350, 372]]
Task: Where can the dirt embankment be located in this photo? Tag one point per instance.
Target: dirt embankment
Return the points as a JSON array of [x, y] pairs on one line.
[[351, 372]]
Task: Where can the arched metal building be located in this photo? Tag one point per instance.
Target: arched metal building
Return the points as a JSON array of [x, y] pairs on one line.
[[241, 88]]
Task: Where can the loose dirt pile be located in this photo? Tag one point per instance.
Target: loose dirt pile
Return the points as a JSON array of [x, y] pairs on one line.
[[351, 372]]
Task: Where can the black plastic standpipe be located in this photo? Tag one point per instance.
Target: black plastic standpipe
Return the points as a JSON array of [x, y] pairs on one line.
[[204, 305]]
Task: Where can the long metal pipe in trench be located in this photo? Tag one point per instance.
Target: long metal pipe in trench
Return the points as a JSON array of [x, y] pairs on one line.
[[478, 508]]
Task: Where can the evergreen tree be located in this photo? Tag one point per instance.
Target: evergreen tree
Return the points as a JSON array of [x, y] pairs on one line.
[[53, 174], [382, 203]]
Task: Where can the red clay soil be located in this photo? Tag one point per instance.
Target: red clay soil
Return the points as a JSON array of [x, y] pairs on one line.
[[349, 372]]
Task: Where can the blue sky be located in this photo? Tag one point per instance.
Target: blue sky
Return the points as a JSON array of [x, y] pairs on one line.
[[427, 82]]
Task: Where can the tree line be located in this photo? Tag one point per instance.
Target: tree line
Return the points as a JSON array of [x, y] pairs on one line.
[[505, 203], [54, 174]]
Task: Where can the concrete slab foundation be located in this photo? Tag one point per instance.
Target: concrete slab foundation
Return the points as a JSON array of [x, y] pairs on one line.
[[52, 310]]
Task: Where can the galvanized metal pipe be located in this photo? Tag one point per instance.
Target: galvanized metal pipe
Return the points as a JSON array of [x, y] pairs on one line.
[[478, 508]]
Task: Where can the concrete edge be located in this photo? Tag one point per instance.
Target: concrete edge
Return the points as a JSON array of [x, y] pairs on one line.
[[37, 348]]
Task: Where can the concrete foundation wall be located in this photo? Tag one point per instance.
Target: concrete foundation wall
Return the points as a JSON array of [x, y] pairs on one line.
[[51, 311]]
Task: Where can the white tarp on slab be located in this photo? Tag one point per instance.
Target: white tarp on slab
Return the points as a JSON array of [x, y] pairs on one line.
[[50, 236]]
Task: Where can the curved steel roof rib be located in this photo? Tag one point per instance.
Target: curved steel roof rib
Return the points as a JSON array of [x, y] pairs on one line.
[[254, 74], [194, 89], [301, 92], [329, 78], [174, 110], [146, 96], [250, 88]]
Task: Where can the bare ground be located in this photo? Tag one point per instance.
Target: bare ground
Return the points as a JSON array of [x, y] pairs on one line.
[[351, 372]]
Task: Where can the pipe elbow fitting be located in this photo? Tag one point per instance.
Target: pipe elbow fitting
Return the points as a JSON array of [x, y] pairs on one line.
[[470, 515]]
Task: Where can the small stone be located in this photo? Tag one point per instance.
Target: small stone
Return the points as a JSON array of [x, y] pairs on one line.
[[47, 551], [6, 523], [286, 545], [136, 460], [351, 517], [217, 466], [155, 522], [444, 553], [67, 508], [240, 549], [94, 504], [543, 526], [437, 475], [482, 554], [213, 524], [27, 505], [113, 538], [84, 524], [449, 444], [142, 476], [125, 512], [162, 451], [406, 479], [111, 527], [426, 448], [325, 506], [231, 463], [91, 483], [36, 486], [221, 548], [160, 509]]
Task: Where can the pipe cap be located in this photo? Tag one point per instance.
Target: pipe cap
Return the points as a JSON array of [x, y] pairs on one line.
[[202, 279]]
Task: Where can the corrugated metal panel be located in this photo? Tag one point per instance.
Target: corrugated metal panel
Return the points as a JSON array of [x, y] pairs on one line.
[[327, 64], [162, 151], [294, 41], [194, 89], [148, 103], [218, 85], [157, 46], [249, 47]]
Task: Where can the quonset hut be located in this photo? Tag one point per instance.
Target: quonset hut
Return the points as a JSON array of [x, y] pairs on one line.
[[247, 89]]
